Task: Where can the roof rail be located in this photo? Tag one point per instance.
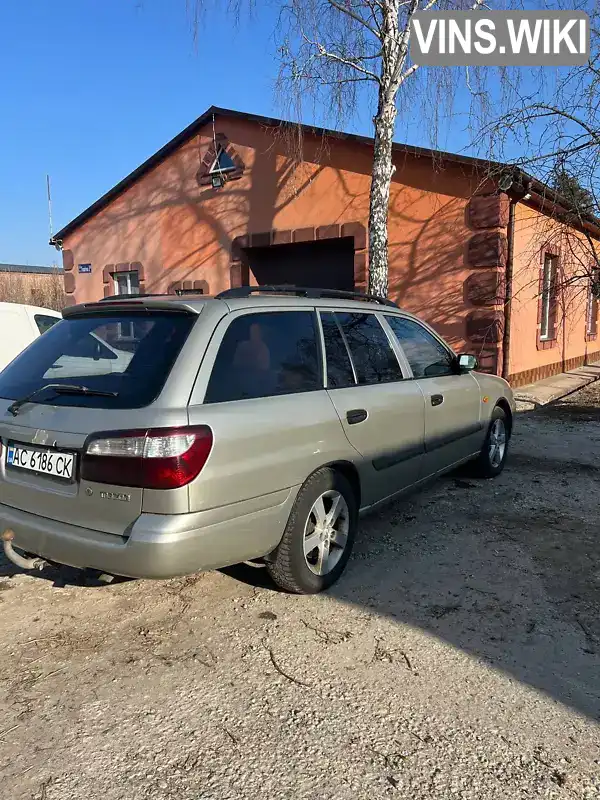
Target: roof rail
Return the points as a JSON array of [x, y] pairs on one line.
[[301, 291]]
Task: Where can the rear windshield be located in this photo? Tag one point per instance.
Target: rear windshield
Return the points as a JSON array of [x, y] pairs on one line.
[[128, 354]]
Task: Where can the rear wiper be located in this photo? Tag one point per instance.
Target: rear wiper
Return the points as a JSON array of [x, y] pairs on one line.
[[58, 388]]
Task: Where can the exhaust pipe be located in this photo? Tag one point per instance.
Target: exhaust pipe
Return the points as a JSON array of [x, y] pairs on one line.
[[12, 555]]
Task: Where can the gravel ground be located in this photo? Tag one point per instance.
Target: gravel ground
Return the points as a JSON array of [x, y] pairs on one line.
[[458, 658]]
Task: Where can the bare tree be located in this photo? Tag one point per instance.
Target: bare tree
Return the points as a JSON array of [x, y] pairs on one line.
[[555, 128], [332, 51]]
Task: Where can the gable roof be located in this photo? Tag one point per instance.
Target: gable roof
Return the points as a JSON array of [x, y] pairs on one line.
[[544, 194], [268, 122]]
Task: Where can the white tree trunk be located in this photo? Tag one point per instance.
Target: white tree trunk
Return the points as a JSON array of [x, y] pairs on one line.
[[394, 43], [383, 170]]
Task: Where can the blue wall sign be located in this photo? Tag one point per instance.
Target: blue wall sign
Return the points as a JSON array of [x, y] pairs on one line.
[[85, 268]]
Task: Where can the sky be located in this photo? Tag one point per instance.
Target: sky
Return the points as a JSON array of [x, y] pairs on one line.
[[91, 88]]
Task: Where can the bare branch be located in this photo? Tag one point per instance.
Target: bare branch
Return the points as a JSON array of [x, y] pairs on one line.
[[346, 9], [323, 53]]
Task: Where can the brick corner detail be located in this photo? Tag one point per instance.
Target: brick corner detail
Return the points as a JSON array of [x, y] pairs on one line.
[[488, 211]]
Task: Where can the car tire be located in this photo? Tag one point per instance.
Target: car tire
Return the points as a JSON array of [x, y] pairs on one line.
[[325, 514], [492, 457]]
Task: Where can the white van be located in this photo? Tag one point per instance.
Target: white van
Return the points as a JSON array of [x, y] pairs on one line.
[[20, 325]]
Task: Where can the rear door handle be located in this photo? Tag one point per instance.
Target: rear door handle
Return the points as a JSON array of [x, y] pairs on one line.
[[437, 399], [356, 415]]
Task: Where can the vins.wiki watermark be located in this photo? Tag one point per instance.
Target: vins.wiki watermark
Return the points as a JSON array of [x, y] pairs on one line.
[[500, 38]]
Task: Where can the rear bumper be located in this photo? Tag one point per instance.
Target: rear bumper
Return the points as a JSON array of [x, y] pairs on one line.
[[159, 546]]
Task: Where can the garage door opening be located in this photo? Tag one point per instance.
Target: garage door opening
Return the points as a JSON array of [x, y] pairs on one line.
[[326, 264]]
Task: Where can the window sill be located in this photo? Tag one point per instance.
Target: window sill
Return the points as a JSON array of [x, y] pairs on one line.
[[546, 344]]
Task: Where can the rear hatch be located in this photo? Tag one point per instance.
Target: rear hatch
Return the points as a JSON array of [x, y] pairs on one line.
[[92, 372]]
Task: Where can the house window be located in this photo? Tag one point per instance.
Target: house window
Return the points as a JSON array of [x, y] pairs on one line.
[[592, 308], [126, 283], [222, 163], [549, 292]]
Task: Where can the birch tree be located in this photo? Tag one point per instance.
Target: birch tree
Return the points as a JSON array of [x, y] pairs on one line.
[[343, 54], [336, 51]]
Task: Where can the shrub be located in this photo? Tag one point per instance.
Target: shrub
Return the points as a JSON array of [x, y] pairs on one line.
[[46, 290]]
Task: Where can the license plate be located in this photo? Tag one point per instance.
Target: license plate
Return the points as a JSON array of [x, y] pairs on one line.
[[47, 462]]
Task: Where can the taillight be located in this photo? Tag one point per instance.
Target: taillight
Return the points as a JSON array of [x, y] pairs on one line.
[[158, 458]]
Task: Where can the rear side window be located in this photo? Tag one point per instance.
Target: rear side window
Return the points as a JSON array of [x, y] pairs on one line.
[[84, 352], [44, 322], [266, 354], [339, 368], [428, 358], [372, 355]]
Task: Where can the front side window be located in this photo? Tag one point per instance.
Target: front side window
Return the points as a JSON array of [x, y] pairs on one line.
[[266, 354], [372, 354], [428, 358], [549, 291]]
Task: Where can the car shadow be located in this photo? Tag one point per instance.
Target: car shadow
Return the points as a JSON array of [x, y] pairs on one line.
[[58, 575], [469, 562], [506, 571], [257, 577]]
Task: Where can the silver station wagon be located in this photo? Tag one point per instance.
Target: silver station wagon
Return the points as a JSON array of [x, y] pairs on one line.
[[155, 436]]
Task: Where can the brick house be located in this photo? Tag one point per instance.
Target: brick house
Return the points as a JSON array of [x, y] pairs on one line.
[[226, 203]]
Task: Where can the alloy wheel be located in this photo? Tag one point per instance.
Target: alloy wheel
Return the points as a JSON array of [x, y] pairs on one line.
[[326, 532], [497, 445]]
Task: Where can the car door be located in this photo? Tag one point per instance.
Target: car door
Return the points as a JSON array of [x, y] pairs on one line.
[[260, 389], [382, 413], [453, 427]]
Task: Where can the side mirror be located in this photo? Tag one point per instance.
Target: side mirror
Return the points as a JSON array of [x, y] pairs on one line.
[[467, 362]]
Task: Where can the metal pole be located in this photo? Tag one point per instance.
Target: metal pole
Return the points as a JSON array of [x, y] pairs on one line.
[[49, 205]]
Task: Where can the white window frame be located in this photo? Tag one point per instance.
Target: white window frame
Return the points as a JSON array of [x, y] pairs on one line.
[[549, 272], [130, 289]]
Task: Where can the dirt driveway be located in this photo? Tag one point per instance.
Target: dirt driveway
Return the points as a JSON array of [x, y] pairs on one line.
[[459, 657]]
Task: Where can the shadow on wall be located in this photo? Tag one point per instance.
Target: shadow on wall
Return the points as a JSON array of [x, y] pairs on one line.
[[184, 231], [431, 281], [180, 230]]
